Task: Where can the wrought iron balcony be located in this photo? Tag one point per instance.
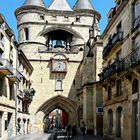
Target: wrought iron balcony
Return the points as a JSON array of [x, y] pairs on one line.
[[115, 67], [132, 60], [5, 67], [16, 76], [117, 38]]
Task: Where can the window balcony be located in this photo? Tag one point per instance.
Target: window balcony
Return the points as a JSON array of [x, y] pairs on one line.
[[132, 60], [5, 67], [115, 67], [16, 76], [114, 41]]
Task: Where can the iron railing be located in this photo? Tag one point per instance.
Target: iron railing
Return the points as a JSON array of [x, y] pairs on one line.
[[117, 37], [130, 61]]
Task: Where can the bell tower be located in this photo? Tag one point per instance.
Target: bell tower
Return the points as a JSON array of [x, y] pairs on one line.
[[54, 40]]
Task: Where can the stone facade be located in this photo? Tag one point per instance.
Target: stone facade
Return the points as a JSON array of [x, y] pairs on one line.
[[9, 78], [49, 37], [25, 95], [120, 77]]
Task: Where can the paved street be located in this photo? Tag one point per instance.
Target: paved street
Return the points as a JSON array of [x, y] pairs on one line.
[[50, 136]]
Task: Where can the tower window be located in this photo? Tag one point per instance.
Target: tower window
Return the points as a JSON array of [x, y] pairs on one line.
[[58, 85], [77, 19], [1, 36], [26, 31], [42, 16]]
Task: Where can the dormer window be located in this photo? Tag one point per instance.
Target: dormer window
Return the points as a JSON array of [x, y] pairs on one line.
[[26, 32]]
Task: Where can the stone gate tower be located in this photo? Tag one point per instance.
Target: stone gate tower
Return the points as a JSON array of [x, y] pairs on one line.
[[54, 41]]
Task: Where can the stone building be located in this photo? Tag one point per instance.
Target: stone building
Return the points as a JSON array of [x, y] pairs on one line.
[[54, 41], [24, 95], [9, 78], [89, 90], [120, 77]]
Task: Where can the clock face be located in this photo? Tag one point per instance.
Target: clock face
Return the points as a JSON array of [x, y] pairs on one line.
[[59, 66]]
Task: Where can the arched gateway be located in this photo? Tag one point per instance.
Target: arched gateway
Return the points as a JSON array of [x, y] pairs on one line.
[[62, 103]]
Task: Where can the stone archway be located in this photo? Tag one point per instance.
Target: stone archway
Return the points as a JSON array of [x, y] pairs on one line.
[[62, 103]]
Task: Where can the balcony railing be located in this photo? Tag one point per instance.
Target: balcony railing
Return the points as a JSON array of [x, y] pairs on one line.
[[5, 67], [110, 70], [116, 38], [130, 61], [16, 76]]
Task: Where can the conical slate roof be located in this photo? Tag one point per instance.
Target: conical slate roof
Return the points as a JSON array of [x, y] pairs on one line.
[[83, 5], [39, 3], [61, 5]]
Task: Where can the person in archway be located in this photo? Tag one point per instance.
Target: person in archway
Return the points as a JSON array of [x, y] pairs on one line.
[[74, 131], [83, 128], [68, 131]]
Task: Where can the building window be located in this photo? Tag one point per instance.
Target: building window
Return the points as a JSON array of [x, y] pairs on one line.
[[11, 91], [119, 27], [109, 92], [25, 107], [1, 86], [1, 36], [42, 17], [110, 122], [26, 32], [77, 18], [58, 85], [119, 87], [135, 86], [119, 122], [136, 13]]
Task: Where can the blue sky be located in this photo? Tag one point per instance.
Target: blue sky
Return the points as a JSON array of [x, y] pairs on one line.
[[7, 8]]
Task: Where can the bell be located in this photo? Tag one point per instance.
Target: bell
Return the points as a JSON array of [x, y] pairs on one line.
[[58, 44]]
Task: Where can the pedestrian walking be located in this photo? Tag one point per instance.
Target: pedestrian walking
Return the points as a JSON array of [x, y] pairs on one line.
[[83, 128], [74, 132], [68, 131]]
